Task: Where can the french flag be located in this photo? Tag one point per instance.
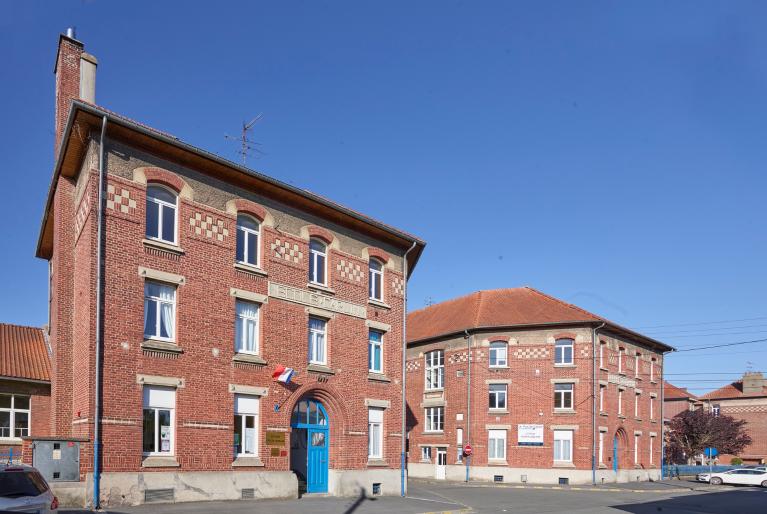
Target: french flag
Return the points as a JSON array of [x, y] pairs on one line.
[[283, 374]]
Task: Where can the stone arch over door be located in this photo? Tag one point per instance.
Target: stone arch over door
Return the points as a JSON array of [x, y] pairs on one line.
[[621, 456]]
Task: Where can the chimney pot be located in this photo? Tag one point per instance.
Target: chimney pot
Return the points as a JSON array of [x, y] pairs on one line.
[[71, 33]]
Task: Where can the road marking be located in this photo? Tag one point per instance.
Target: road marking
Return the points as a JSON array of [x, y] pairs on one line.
[[432, 500]]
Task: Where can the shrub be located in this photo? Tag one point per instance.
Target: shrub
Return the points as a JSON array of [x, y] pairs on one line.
[[736, 461]]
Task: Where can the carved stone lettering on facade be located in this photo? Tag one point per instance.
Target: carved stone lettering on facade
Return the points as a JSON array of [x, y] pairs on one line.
[[312, 299]]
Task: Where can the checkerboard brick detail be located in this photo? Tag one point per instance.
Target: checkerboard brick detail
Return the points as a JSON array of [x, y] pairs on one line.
[[398, 286], [413, 365], [287, 251], [82, 214], [584, 351], [457, 358], [119, 199], [207, 226], [350, 270], [533, 352]]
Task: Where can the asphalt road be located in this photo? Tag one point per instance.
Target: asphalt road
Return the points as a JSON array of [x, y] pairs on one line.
[[431, 497]]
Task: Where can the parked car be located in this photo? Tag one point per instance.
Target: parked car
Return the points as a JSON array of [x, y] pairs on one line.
[[735, 476], [23, 489]]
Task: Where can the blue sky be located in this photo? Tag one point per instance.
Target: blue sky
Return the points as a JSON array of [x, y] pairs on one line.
[[607, 153]]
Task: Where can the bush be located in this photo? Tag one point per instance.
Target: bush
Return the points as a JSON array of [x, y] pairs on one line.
[[736, 461]]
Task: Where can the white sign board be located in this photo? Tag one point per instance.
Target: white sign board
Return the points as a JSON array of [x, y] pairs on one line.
[[530, 435]]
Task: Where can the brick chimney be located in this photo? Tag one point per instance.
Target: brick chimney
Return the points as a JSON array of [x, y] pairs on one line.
[[753, 382], [75, 78]]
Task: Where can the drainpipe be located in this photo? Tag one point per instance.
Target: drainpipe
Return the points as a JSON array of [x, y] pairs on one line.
[[468, 398], [594, 403], [404, 360], [99, 321], [662, 419]]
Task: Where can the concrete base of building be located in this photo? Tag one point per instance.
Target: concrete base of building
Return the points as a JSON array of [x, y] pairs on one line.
[[534, 475], [355, 481]]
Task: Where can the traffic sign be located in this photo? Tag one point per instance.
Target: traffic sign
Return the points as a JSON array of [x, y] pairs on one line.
[[467, 450], [711, 452]]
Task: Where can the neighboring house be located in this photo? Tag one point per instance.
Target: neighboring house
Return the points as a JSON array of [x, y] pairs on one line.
[[676, 400], [215, 276], [25, 388], [527, 361], [744, 399]]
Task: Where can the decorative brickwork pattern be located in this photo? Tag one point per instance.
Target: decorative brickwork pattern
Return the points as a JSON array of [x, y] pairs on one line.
[[82, 214], [584, 351], [458, 357], [350, 271], [120, 200], [413, 365], [209, 227], [398, 286], [287, 251], [539, 352]]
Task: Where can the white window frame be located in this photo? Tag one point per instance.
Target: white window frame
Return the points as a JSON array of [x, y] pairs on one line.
[[495, 396], [601, 447], [241, 321], [716, 410], [602, 345], [636, 449], [246, 250], [435, 419], [499, 436], [498, 352], [372, 347], [425, 453], [434, 370], [561, 394], [314, 345], [156, 411], [602, 388], [652, 458], [243, 423], [160, 210], [652, 408], [459, 444], [564, 343], [637, 363], [652, 369], [314, 256], [561, 436], [620, 402], [637, 399], [12, 411], [620, 359], [375, 289], [158, 314], [375, 430]]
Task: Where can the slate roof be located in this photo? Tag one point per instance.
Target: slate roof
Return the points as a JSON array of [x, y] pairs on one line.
[[24, 353]]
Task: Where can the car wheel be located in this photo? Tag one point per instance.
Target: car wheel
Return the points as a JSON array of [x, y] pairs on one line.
[[764, 483], [716, 481]]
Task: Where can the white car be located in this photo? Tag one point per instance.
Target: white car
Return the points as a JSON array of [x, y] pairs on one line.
[[735, 476], [23, 489]]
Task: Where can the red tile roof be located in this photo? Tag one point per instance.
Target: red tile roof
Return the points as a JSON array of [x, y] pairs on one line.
[[672, 392], [521, 306], [24, 353], [734, 390]]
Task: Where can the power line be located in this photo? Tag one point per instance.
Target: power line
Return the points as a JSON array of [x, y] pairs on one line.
[[704, 329], [721, 345], [701, 323], [717, 334], [711, 373]]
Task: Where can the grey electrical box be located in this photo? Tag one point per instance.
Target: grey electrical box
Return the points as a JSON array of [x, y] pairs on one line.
[[57, 461]]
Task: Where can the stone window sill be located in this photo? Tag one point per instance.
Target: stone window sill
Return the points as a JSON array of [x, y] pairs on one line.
[[498, 411], [378, 377], [161, 346], [377, 463], [161, 245], [248, 358], [564, 411], [249, 268], [653, 381], [564, 465], [621, 416], [602, 466], [11, 441], [497, 462], [159, 462], [437, 390], [603, 414], [247, 462], [379, 303], [653, 421], [441, 432], [638, 419], [319, 368], [564, 365], [602, 368], [321, 288], [491, 366]]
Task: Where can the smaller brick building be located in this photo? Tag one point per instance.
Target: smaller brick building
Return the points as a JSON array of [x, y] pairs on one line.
[[543, 392], [25, 387]]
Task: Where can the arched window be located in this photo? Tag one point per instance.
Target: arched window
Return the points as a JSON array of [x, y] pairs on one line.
[[375, 279], [563, 351], [161, 214], [317, 261], [498, 354], [247, 240]]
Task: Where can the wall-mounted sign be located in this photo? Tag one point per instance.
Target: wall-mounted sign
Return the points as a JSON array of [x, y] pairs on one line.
[[530, 435], [275, 438], [312, 299], [274, 452]]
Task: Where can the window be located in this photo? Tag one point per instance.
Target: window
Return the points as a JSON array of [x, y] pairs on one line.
[[159, 405], [498, 354], [161, 207], [637, 363], [246, 327], [636, 449], [652, 440], [426, 453], [14, 415], [496, 445], [317, 341], [620, 402], [435, 370], [637, 396], [375, 351], [497, 396], [563, 445], [375, 279], [652, 407], [375, 433], [435, 419], [602, 354], [247, 240], [459, 444], [602, 398], [159, 311], [601, 447], [715, 410], [246, 425], [317, 258], [563, 396], [563, 351], [652, 369], [620, 360]]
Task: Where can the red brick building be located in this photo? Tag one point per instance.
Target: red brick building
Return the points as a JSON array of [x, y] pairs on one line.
[[539, 388], [25, 387], [214, 276]]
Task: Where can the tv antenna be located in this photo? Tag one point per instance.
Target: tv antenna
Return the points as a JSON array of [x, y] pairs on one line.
[[246, 145]]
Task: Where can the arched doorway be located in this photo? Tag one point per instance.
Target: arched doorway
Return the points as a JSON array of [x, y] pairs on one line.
[[309, 443], [619, 448]]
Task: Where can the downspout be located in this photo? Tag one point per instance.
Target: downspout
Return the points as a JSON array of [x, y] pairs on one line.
[[662, 418], [594, 337], [468, 398], [99, 321], [404, 360]]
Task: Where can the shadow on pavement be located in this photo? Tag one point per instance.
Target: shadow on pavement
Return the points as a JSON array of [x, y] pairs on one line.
[[359, 501], [738, 500]]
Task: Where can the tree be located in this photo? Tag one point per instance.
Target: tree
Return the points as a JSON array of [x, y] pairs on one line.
[[691, 432]]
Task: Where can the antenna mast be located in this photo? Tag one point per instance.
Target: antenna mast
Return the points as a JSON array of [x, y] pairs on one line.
[[246, 145]]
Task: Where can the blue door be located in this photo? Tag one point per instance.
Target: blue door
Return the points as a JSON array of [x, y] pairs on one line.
[[615, 454], [311, 416]]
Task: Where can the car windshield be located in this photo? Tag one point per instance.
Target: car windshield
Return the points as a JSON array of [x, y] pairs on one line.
[[14, 484]]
